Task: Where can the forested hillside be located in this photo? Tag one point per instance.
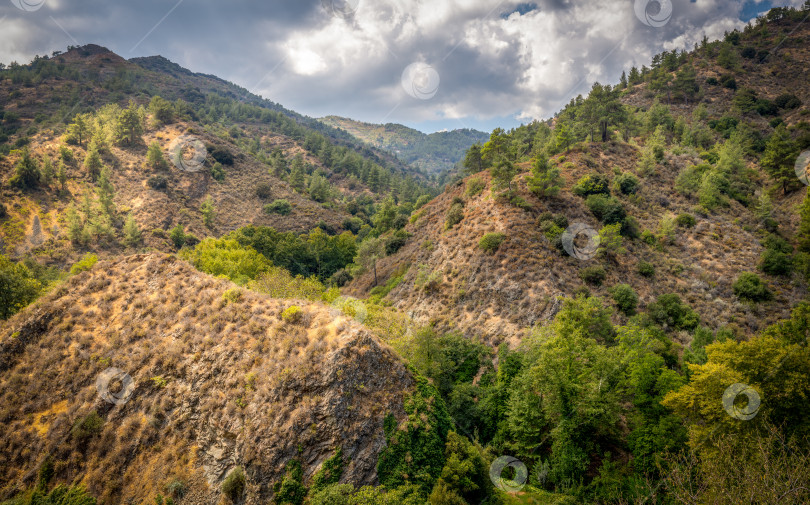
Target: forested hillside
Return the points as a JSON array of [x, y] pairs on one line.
[[433, 153], [207, 298]]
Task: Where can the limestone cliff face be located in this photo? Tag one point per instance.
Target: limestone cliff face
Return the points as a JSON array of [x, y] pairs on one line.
[[186, 385]]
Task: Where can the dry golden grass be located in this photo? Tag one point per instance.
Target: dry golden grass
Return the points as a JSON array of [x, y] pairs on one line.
[[206, 371]]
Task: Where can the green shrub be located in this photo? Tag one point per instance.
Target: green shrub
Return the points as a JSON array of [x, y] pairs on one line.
[[593, 275], [777, 243], [217, 172], [87, 426], [475, 185], [396, 241], [84, 264], [774, 262], [330, 471], [228, 258], [750, 287], [686, 220], [18, 287], [491, 241], [787, 101], [291, 490], [593, 184], [646, 269], [281, 207], [625, 297], [607, 209], [668, 310], [627, 183], [234, 484], [232, 295], [264, 190], [157, 182], [454, 216], [178, 235], [292, 314]]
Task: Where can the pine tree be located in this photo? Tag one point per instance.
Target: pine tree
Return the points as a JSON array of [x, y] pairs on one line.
[[128, 127], [106, 192], [154, 157], [47, 171], [503, 172], [473, 163], [75, 225], [208, 212], [132, 233], [26, 173], [61, 176], [804, 224], [297, 180], [79, 130], [545, 180], [623, 80], [93, 165], [779, 158]]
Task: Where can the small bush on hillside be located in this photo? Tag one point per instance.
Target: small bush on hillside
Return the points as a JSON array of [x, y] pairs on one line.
[[291, 490], [474, 187], [232, 295], [787, 101], [178, 236], [226, 257], [217, 172], [774, 262], [84, 264], [491, 242], [686, 220], [281, 207], [396, 241], [627, 184], [670, 311], [157, 182], [87, 426], [234, 484], [220, 154], [264, 190], [593, 184], [594, 275], [454, 216], [750, 287], [646, 269], [292, 314], [625, 297], [607, 209]]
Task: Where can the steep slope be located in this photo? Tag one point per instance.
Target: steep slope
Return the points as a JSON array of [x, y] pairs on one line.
[[433, 153], [220, 379], [261, 141], [453, 283]]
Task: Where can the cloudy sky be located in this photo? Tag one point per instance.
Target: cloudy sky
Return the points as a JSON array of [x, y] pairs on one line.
[[429, 64]]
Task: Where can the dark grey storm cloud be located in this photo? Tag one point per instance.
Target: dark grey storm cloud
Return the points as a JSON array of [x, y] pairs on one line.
[[479, 63]]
